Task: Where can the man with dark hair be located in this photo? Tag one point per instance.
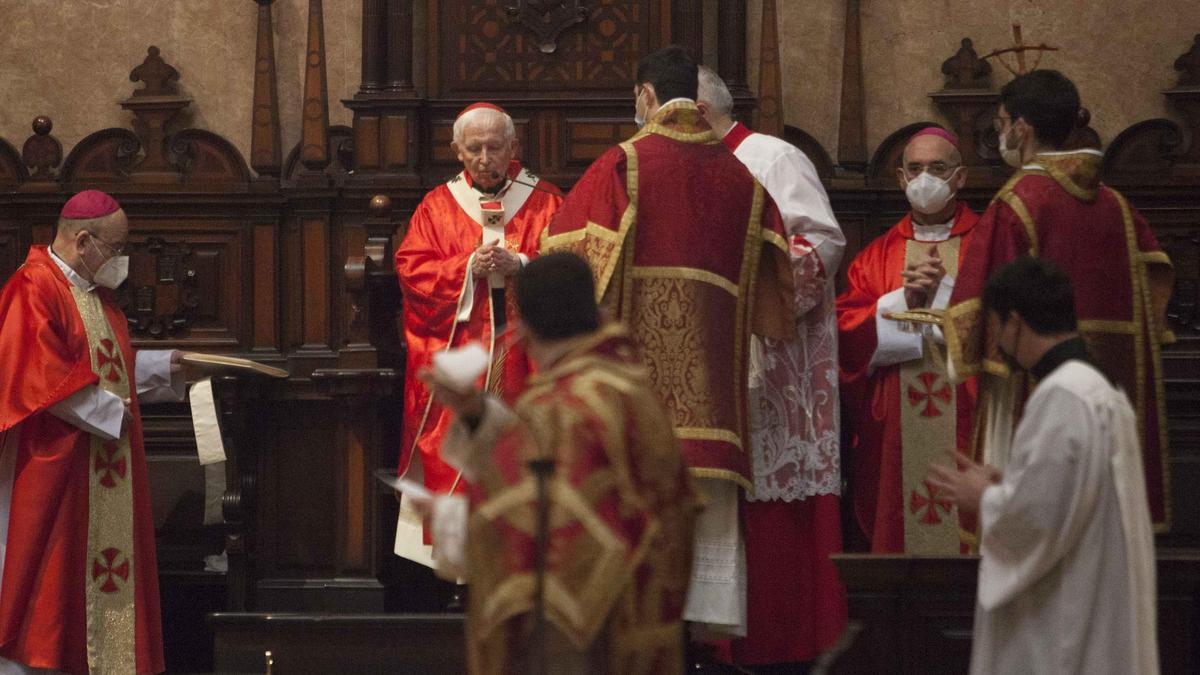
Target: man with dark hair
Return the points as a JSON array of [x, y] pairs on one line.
[[690, 252], [1056, 208], [1066, 575], [620, 505]]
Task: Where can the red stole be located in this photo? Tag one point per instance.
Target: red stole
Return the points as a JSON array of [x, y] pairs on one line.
[[431, 265], [678, 256], [1121, 279], [48, 571]]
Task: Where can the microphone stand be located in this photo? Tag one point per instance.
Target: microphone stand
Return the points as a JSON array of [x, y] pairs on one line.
[[542, 469]]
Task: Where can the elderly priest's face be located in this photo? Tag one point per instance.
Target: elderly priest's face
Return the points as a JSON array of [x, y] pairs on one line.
[[485, 148]]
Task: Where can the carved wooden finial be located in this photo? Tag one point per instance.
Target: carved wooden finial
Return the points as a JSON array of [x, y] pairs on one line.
[[1189, 65], [965, 70], [158, 75], [380, 207], [42, 153]]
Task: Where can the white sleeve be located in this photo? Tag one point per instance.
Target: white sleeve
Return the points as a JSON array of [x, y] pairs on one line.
[[449, 525], [893, 344], [794, 185], [467, 450], [94, 410], [155, 381], [467, 293], [941, 300], [1038, 512]]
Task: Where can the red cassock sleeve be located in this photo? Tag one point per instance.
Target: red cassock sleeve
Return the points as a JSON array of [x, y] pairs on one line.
[[866, 281], [38, 364]]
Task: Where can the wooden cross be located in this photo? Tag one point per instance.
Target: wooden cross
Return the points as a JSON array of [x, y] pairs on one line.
[[1019, 48]]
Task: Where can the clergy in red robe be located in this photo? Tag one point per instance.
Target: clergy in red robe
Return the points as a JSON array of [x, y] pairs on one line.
[[796, 605], [619, 502], [79, 589], [901, 408], [690, 252], [1055, 207], [464, 242]]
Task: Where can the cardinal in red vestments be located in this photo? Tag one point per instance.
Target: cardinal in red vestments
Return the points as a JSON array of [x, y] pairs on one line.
[[464, 242], [79, 589], [1055, 207], [690, 252], [899, 404]]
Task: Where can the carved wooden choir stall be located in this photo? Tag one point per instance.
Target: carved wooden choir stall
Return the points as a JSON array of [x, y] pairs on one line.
[[286, 259]]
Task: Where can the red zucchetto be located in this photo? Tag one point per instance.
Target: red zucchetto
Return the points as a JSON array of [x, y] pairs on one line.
[[939, 132], [89, 204], [481, 104]]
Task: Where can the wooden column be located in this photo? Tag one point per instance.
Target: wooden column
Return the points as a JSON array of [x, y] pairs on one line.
[[731, 44], [687, 27], [769, 118], [374, 46], [399, 44], [314, 130], [265, 146], [852, 135]]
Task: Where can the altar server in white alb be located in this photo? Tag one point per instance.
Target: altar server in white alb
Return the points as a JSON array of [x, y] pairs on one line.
[[1066, 579], [796, 606]]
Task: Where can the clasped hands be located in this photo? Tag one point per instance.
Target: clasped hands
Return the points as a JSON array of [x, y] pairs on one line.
[[962, 483], [922, 277], [491, 258]]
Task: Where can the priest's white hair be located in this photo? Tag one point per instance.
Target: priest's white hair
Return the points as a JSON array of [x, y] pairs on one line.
[[713, 91], [480, 116]]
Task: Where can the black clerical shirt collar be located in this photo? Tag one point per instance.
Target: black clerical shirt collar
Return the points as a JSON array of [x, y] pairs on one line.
[[1072, 348]]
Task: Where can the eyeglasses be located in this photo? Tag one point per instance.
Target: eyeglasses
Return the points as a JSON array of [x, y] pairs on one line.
[[117, 249], [939, 169]]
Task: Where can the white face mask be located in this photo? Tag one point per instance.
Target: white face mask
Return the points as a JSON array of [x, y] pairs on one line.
[[928, 193], [639, 118], [1011, 156], [113, 272]]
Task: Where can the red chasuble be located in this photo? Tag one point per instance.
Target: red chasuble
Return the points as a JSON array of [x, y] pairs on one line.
[[621, 516], [689, 251], [1057, 209], [80, 581], [432, 264], [873, 400]]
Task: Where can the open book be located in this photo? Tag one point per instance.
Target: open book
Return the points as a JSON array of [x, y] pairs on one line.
[[216, 362], [920, 315]]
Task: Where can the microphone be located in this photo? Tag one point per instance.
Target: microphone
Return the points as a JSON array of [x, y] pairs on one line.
[[496, 175]]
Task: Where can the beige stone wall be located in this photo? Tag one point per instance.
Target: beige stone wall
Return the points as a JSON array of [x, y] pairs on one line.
[[70, 59], [1120, 54]]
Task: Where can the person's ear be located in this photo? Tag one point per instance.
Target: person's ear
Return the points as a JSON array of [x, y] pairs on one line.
[[960, 179], [901, 178]]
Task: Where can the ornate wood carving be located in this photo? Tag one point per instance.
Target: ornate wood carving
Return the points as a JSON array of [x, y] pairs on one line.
[[970, 113], [154, 107], [769, 116], [1188, 65], [314, 132], [265, 146], [547, 18], [687, 26], [965, 70], [493, 53], [852, 135], [157, 75], [42, 153], [1186, 97], [160, 297], [1148, 148]]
